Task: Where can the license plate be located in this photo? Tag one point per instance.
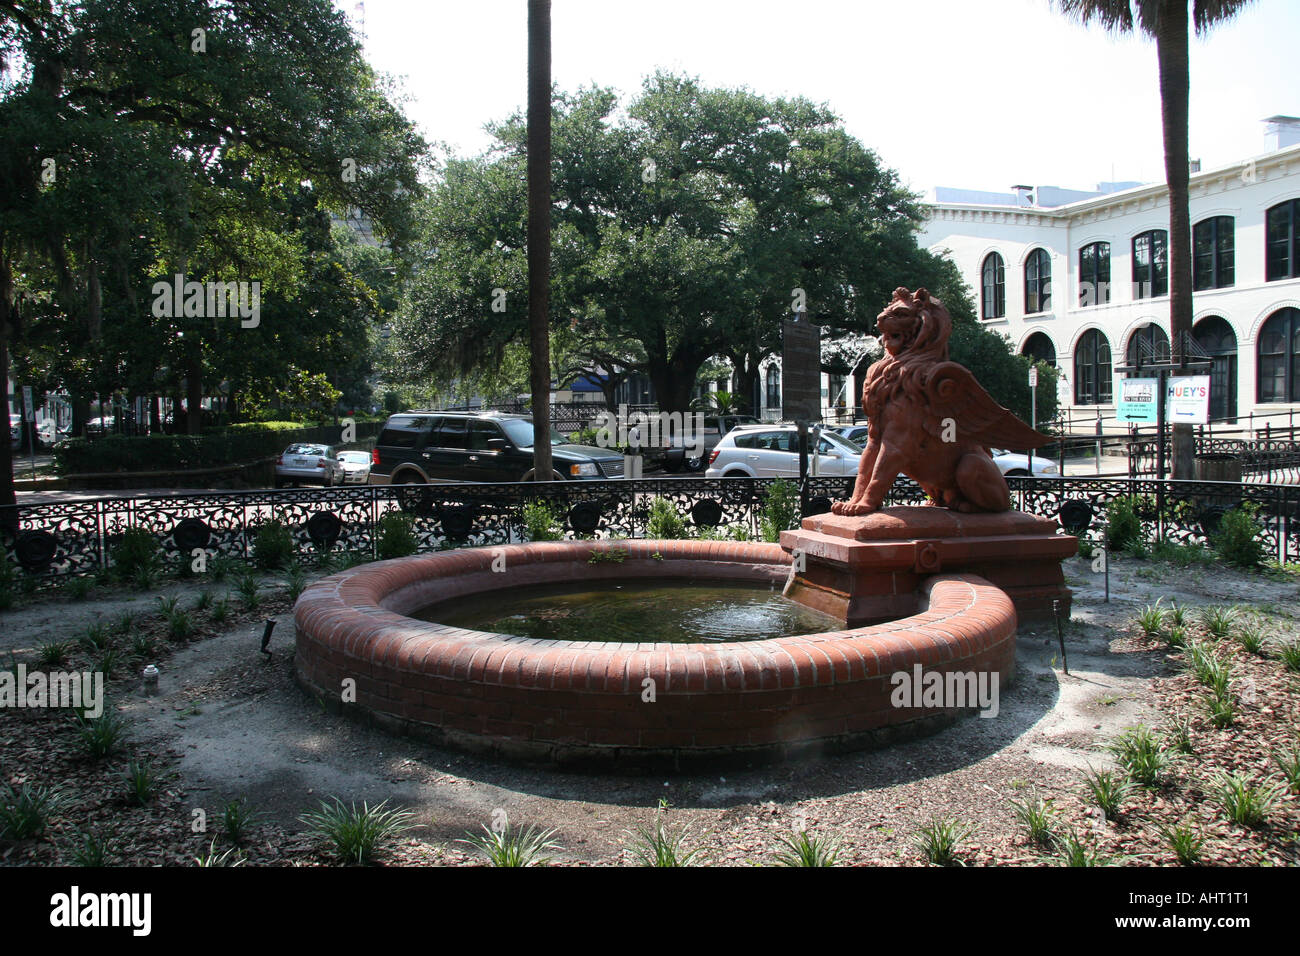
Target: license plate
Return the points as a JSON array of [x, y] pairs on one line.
[[302, 461]]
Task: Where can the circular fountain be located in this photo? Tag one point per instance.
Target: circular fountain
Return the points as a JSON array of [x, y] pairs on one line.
[[622, 705]]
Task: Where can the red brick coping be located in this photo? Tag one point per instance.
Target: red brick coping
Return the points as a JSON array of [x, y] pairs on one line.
[[582, 703]]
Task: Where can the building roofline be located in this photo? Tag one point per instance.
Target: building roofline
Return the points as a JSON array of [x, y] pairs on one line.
[[1080, 206]]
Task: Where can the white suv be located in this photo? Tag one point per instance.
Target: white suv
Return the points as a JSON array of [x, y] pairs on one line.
[[772, 451]]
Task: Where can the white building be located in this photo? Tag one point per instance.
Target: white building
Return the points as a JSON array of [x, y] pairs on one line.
[[1079, 279]]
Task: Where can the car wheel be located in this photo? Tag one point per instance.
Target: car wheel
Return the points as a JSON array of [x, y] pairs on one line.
[[1016, 473], [528, 475], [695, 464]]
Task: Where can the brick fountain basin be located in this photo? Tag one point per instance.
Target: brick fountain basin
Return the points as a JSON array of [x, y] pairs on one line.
[[586, 705]]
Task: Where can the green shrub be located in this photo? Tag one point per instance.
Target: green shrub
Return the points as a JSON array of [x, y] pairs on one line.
[[1238, 540], [396, 538], [801, 849], [540, 522], [25, 810], [665, 521], [940, 839], [273, 546], [135, 555], [1123, 526], [780, 509]]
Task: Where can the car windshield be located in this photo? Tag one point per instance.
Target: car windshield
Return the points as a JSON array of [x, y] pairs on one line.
[[520, 431], [843, 443], [300, 449], [354, 457]]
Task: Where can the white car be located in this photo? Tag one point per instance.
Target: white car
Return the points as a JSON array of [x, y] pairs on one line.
[[772, 451], [1013, 464], [356, 467]]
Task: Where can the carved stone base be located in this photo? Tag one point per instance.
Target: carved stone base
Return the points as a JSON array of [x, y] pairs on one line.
[[868, 569]]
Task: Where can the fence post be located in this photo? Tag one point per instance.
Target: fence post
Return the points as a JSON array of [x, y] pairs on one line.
[[1098, 468]]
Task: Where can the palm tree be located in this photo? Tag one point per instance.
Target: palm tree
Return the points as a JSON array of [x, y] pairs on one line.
[[1168, 22], [539, 231]]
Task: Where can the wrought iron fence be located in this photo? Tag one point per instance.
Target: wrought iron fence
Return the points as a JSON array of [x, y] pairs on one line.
[[1266, 460], [77, 537]]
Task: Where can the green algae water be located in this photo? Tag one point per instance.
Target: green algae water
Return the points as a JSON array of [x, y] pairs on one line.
[[659, 611]]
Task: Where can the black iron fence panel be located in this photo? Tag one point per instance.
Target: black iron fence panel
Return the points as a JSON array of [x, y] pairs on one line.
[[1266, 460], [79, 537]]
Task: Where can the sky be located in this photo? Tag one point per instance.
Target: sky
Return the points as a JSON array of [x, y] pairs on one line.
[[979, 94]]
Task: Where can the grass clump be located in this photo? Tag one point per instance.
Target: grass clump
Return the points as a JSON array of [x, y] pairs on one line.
[[101, 736], [1217, 620], [93, 850], [237, 818], [1072, 851], [25, 810], [941, 838], [1242, 802], [1185, 840], [356, 833], [141, 782], [1109, 791], [248, 590], [1141, 752], [1039, 818], [660, 845], [1151, 619], [514, 847], [803, 849]]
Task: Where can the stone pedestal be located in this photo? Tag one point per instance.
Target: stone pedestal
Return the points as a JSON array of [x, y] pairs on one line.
[[868, 569]]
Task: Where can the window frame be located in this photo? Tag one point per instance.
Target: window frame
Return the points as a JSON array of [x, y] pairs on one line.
[[1156, 270], [1097, 395], [1100, 257], [1041, 262], [1289, 358], [1289, 244], [998, 286], [1218, 261]]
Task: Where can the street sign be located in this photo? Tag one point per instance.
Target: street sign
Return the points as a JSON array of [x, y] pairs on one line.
[[27, 403], [1137, 400], [1033, 377], [1188, 399]]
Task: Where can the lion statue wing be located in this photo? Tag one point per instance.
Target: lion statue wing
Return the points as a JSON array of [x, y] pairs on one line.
[[953, 393]]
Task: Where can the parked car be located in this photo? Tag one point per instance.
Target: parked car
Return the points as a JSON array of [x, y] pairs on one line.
[[1015, 464], [854, 433], [677, 453], [433, 446], [310, 464], [356, 467], [770, 451]]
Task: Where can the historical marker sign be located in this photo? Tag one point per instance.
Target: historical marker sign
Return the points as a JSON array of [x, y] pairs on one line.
[[801, 370]]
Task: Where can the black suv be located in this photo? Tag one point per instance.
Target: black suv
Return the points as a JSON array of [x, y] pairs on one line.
[[417, 447]]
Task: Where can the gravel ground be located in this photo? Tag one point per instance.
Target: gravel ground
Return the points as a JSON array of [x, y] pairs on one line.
[[230, 724]]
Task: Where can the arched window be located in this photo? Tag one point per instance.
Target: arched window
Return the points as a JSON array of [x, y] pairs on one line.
[[1151, 264], [1279, 357], [1092, 385], [1282, 241], [1213, 257], [1039, 348], [1147, 346], [993, 303], [1038, 281], [1094, 274], [1216, 337], [773, 387]]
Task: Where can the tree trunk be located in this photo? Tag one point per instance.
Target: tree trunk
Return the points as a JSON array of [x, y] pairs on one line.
[[7, 456], [1171, 51], [155, 414], [194, 396], [539, 231], [745, 379]]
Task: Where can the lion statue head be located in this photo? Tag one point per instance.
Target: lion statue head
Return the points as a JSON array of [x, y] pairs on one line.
[[915, 325]]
